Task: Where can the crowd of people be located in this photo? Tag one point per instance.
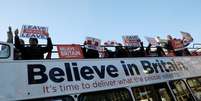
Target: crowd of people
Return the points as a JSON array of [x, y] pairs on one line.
[[125, 52], [121, 51], [36, 51]]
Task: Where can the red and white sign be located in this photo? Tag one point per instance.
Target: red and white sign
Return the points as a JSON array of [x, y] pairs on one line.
[[70, 51], [31, 31], [132, 40], [93, 43], [152, 41], [177, 44]]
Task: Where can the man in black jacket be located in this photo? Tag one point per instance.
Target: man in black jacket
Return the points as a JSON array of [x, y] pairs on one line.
[[34, 51]]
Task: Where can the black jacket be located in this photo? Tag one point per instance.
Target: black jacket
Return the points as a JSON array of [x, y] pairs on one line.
[[33, 52], [90, 53], [120, 52], [138, 53]]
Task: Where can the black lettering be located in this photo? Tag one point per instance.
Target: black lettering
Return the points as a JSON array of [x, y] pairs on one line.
[[171, 66], [68, 72], [155, 65], [56, 75], [147, 67], [76, 71], [124, 67], [131, 67], [86, 73], [163, 64], [36, 70], [100, 73], [112, 71]]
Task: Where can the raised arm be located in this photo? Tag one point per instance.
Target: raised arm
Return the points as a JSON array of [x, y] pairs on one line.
[[49, 46], [148, 49], [49, 43]]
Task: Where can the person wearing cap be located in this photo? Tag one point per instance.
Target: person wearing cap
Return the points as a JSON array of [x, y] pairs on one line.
[[33, 51]]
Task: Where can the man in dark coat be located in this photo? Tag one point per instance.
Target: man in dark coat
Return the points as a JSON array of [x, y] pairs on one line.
[[121, 52], [34, 51]]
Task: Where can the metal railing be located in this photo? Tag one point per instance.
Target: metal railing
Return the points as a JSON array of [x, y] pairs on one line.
[[193, 48]]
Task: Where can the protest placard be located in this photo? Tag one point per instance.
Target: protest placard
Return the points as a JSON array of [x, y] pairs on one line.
[[93, 43], [32, 31], [187, 38], [131, 40], [70, 52], [152, 41]]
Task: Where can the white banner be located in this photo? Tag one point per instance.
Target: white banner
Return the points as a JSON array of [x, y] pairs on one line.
[[43, 78], [31, 31]]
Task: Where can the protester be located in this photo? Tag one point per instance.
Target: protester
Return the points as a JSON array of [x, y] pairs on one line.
[[9, 35], [148, 50], [180, 52], [177, 51], [169, 47], [121, 52], [138, 53], [186, 52], [34, 51], [108, 53], [159, 51], [90, 53], [17, 52]]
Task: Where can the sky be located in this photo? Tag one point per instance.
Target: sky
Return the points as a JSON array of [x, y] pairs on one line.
[[71, 21]]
